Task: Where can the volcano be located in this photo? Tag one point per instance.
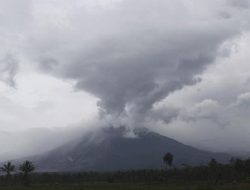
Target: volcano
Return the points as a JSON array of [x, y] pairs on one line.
[[111, 150]]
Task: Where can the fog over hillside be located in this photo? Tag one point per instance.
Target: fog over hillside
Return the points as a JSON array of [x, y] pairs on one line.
[[179, 68]]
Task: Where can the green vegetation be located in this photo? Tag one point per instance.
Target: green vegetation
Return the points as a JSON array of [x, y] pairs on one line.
[[168, 159], [26, 168], [8, 169], [213, 176], [103, 186], [24, 177]]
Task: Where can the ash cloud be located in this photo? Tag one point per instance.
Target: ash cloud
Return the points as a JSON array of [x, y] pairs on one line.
[[139, 53], [132, 56]]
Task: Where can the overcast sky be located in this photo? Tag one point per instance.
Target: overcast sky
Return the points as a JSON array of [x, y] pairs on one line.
[[178, 67]]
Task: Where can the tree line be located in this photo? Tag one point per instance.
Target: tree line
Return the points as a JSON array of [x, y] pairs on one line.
[[236, 170], [25, 170]]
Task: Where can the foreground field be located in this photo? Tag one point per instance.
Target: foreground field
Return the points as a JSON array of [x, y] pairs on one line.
[[127, 187]]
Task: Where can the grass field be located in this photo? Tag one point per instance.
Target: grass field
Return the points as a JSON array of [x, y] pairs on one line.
[[126, 187]]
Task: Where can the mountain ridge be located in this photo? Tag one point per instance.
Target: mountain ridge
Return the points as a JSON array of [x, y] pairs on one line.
[[110, 150]]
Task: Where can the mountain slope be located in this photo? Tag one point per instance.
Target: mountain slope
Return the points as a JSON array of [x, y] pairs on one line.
[[110, 150]]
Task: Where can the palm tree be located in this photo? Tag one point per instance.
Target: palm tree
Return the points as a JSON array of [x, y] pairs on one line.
[[168, 159], [8, 168], [213, 163], [215, 170], [26, 168]]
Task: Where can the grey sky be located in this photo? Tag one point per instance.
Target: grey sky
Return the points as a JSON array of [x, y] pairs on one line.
[[178, 67]]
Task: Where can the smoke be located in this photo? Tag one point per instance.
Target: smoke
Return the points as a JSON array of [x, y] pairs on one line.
[[130, 55], [136, 54]]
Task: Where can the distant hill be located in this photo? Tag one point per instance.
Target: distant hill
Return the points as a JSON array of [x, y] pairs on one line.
[[110, 150]]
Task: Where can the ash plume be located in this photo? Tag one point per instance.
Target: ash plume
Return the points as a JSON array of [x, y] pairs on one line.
[[132, 58]]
